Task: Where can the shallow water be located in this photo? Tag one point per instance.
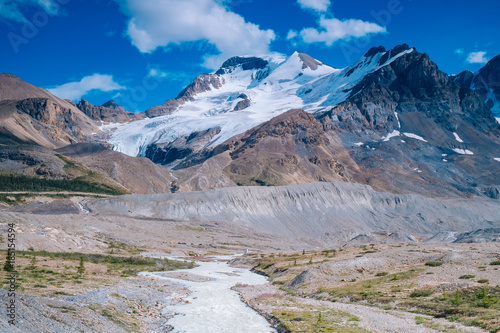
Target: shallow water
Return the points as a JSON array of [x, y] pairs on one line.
[[214, 306]]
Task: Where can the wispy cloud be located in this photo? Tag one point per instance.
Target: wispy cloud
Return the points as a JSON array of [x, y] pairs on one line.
[[317, 5], [76, 90], [477, 57], [459, 51], [291, 34], [333, 30], [158, 23], [13, 9]]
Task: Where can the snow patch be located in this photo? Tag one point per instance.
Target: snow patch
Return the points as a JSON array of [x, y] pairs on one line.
[[414, 136], [397, 117], [497, 159], [463, 151], [391, 135], [359, 144], [457, 137]]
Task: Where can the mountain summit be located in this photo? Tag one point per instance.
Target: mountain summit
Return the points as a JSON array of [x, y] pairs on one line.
[[392, 120]]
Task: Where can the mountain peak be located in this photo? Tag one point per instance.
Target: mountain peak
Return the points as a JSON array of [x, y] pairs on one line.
[[374, 50], [246, 63], [111, 104], [7, 75], [308, 61]]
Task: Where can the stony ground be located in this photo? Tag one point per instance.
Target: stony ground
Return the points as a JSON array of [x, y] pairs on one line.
[[356, 288], [383, 288]]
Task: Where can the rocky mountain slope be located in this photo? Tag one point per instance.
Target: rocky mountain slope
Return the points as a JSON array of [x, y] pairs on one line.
[[137, 174], [392, 120], [34, 124], [486, 82], [29, 114], [109, 112]]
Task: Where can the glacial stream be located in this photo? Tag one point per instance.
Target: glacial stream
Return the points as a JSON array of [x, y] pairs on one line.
[[212, 306]]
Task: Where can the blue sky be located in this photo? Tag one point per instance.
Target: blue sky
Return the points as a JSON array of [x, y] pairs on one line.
[[143, 52]]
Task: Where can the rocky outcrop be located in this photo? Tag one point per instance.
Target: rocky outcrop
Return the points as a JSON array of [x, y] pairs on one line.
[[246, 63], [487, 84], [53, 120], [243, 104], [109, 112], [463, 79], [33, 115], [309, 62], [202, 83]]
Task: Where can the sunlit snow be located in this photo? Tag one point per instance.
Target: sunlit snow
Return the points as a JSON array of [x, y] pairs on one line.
[[391, 135], [414, 136], [457, 137], [289, 85], [463, 151]]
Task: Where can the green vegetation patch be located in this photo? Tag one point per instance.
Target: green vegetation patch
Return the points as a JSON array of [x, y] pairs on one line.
[[478, 306], [434, 263], [19, 183], [373, 291]]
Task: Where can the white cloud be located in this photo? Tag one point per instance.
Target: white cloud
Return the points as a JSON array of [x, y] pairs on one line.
[[319, 5], [75, 90], [13, 9], [153, 72], [333, 30], [156, 72], [459, 51], [477, 58], [291, 34], [158, 23]]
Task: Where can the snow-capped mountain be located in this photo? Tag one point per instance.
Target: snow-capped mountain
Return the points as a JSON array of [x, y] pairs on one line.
[[247, 92], [392, 120]]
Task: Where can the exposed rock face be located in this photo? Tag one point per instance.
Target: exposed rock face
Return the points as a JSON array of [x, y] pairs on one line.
[[202, 83], [487, 84], [33, 115], [463, 79], [411, 95], [246, 63], [108, 112], [164, 109], [290, 148], [243, 104], [181, 148], [309, 62]]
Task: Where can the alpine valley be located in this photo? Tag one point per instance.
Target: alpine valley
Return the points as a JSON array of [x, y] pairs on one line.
[[276, 155]]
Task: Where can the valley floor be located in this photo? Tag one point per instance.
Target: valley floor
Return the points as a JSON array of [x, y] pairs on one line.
[[395, 287]]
